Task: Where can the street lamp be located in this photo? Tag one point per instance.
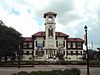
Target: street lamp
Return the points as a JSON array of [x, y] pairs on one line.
[[86, 43], [33, 49], [19, 51], [19, 57]]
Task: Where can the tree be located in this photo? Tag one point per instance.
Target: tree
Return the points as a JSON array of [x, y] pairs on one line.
[[92, 54], [9, 41], [98, 54]]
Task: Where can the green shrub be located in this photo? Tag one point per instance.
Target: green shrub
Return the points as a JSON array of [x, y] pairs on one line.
[[66, 72], [56, 72], [93, 62], [33, 73], [73, 71], [14, 74], [22, 73], [78, 62]]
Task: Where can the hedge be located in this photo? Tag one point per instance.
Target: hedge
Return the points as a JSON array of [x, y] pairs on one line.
[[91, 62], [73, 71]]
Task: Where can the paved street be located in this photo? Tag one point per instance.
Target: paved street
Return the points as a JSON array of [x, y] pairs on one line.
[[10, 70]]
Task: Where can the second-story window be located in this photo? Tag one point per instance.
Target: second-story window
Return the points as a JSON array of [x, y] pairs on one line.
[[74, 45], [60, 44], [25, 45], [30, 44], [69, 45], [78, 45]]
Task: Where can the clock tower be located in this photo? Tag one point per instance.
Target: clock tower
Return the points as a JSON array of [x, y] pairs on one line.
[[50, 42]]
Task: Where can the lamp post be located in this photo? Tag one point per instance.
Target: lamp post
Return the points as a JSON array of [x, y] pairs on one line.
[[19, 51], [86, 43], [19, 57], [33, 49]]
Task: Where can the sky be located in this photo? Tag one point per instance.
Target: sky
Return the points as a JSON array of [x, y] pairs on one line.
[[26, 16]]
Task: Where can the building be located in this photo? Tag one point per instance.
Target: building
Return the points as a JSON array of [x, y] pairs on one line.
[[46, 45]]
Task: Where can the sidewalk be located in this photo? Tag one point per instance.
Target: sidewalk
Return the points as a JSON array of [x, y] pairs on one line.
[[10, 70]]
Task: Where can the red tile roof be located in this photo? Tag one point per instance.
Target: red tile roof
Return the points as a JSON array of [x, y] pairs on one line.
[[39, 34], [43, 34], [61, 34], [75, 40], [29, 39]]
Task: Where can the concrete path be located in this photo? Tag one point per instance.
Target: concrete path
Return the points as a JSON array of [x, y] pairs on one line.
[[10, 70]]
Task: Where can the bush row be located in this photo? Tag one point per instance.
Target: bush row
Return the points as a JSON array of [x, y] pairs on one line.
[[73, 71], [92, 62]]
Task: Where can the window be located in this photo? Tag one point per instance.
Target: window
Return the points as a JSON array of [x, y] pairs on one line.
[[27, 52], [69, 45], [25, 45], [74, 45], [40, 43], [76, 52], [80, 52], [39, 53], [61, 43], [30, 45], [50, 31], [71, 52], [78, 45]]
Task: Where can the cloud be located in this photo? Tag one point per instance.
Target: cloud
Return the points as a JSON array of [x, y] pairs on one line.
[[26, 16], [64, 9], [18, 18]]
